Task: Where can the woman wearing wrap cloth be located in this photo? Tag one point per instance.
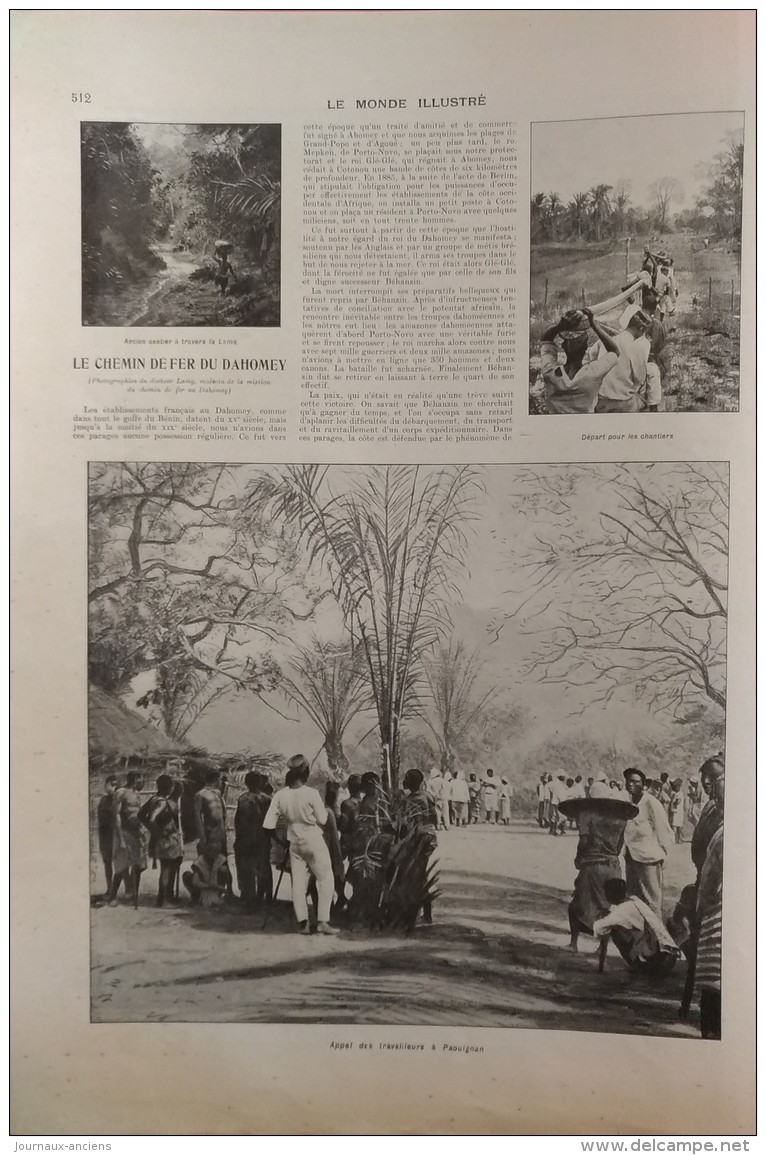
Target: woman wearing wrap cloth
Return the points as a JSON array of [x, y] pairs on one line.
[[707, 856], [709, 914], [711, 815], [601, 824]]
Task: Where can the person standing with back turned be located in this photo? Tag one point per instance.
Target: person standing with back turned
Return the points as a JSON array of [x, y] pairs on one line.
[[304, 811]]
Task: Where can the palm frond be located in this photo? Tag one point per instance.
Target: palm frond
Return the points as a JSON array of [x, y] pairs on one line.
[[392, 541]]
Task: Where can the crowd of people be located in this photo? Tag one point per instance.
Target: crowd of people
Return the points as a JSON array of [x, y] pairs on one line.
[[363, 856], [591, 367], [625, 837], [682, 801], [353, 849], [351, 839], [462, 801]]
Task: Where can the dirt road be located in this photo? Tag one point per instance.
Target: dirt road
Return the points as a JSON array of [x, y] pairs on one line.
[[173, 297], [495, 957]]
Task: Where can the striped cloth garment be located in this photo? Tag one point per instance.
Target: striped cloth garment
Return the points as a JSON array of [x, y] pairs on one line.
[[709, 909]]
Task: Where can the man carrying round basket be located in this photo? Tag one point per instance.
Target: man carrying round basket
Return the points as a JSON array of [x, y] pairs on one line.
[[224, 268], [601, 826]]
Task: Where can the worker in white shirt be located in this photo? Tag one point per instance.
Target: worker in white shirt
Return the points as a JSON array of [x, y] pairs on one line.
[[459, 798], [658, 365], [435, 787], [489, 797], [302, 808], [623, 388], [640, 936], [558, 787], [666, 286], [648, 839], [578, 789], [663, 275], [446, 798], [600, 786]]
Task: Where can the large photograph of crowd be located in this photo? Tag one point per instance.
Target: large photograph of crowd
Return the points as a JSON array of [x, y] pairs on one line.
[[181, 224], [636, 227], [426, 745]]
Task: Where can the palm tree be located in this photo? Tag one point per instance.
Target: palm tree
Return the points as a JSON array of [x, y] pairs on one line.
[[391, 541], [577, 208], [537, 215], [257, 198], [600, 206], [453, 702], [329, 682], [621, 206], [554, 212]]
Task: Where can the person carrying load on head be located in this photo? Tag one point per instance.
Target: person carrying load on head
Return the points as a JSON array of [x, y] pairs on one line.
[[573, 387], [601, 826], [224, 268], [660, 268]]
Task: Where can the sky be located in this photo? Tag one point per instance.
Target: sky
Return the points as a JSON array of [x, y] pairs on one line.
[[162, 136], [242, 723], [572, 156]]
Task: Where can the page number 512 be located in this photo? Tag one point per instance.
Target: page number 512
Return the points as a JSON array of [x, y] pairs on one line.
[[80, 98]]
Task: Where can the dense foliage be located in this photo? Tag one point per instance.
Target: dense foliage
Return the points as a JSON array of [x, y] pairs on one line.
[[124, 207], [149, 192], [606, 212]]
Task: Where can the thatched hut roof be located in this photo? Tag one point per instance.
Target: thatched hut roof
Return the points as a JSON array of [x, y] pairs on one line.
[[115, 731]]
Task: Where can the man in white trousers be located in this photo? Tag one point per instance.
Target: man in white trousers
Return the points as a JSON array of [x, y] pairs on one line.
[[301, 807]]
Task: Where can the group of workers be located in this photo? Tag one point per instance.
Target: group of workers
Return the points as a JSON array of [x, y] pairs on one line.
[[590, 367], [351, 838], [462, 801], [682, 802], [359, 851], [619, 888]]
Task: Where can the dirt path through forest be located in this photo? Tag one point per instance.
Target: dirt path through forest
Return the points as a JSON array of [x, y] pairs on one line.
[[178, 267], [172, 297]]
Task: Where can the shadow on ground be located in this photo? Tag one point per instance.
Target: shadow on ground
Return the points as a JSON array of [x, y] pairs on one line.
[[496, 957]]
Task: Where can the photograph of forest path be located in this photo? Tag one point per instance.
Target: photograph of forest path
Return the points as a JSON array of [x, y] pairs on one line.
[[180, 224], [456, 673], [612, 198]]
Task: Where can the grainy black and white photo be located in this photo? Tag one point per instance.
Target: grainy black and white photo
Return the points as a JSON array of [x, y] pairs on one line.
[[181, 224], [408, 745], [636, 226]]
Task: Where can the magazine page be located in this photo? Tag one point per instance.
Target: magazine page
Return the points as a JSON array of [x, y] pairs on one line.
[[370, 726]]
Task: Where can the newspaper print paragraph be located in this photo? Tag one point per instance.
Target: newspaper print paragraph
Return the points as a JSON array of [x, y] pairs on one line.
[[409, 242]]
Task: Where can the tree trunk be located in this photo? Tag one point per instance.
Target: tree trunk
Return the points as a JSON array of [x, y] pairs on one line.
[[337, 762], [389, 744]]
